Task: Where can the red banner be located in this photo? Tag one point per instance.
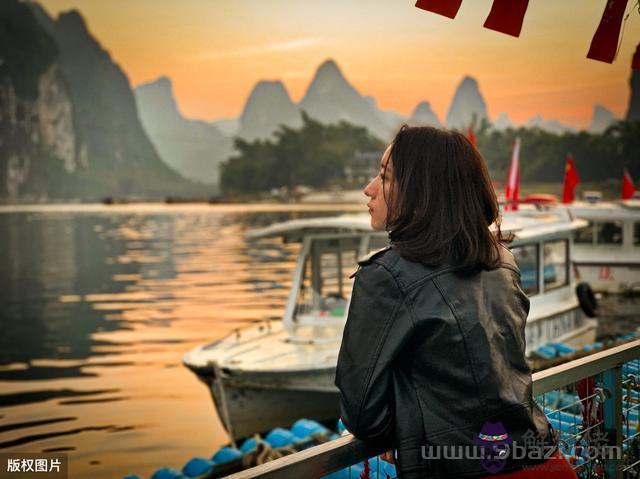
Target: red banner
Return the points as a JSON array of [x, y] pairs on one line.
[[513, 179], [571, 180], [605, 41], [506, 16], [448, 8], [628, 188], [472, 136]]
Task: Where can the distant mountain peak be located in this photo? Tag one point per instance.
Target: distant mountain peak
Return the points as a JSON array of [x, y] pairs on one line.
[[329, 67], [552, 126], [601, 119], [503, 121], [467, 103], [422, 107], [267, 93], [330, 98], [268, 106], [469, 81], [73, 19], [271, 86], [164, 81], [423, 115], [328, 79], [158, 92]]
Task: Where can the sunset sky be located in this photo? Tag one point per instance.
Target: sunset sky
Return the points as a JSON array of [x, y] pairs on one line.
[[216, 50]]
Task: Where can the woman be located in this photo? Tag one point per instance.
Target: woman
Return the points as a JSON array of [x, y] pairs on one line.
[[432, 362]]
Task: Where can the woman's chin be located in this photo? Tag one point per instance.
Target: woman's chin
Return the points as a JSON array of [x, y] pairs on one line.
[[376, 226]]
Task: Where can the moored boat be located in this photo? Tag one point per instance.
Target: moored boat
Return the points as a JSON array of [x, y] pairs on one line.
[[271, 373], [607, 248]]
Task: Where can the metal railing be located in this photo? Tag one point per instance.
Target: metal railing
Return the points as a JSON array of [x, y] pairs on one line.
[[587, 399]]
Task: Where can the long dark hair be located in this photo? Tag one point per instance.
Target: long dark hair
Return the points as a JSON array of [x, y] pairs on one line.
[[442, 202]]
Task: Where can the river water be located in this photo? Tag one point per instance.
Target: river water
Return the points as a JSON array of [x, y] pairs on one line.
[[98, 304]]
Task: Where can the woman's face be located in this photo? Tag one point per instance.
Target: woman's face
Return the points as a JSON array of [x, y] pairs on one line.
[[374, 190]]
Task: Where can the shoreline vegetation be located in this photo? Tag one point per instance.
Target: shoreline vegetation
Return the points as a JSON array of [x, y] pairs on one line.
[[610, 190]]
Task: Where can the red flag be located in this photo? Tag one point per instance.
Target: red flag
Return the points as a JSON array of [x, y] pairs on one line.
[[472, 136], [628, 188], [571, 180], [448, 8], [506, 16], [635, 61], [513, 179], [605, 41]]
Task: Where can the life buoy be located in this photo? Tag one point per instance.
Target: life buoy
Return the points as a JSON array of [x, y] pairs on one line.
[[587, 299]]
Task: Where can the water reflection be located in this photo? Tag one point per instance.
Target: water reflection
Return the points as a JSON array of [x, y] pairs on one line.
[[98, 305]]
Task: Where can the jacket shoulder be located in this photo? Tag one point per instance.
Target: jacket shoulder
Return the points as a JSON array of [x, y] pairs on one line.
[[372, 257], [508, 259], [374, 254]]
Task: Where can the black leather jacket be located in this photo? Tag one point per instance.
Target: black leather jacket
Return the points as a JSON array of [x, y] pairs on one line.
[[429, 356]]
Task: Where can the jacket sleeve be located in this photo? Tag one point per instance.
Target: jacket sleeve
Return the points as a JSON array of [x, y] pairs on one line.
[[378, 325]]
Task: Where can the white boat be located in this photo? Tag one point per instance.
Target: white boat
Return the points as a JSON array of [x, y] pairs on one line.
[[607, 249], [270, 374]]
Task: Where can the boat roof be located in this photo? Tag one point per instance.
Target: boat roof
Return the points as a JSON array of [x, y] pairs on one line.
[[525, 223], [295, 230], [622, 209]]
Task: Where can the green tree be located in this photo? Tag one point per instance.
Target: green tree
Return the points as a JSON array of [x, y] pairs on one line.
[[314, 155]]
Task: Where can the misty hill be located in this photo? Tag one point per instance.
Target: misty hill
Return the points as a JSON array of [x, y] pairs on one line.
[[467, 105], [88, 107], [330, 98], [228, 126], [503, 121], [392, 119], [601, 119], [267, 107], [551, 126], [193, 148], [423, 115], [37, 132]]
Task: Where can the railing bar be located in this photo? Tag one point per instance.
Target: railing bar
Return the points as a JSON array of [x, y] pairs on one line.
[[334, 455], [590, 428], [631, 408], [575, 402], [631, 437], [573, 371], [631, 465]]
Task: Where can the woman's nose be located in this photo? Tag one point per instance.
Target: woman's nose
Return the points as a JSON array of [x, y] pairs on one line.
[[369, 190]]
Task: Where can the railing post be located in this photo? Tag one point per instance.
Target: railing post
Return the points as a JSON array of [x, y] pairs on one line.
[[612, 381]]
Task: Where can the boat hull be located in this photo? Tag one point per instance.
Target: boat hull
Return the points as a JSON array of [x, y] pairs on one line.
[[610, 278], [252, 406], [250, 403]]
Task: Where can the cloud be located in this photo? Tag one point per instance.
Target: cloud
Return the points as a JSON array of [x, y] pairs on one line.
[[278, 47]]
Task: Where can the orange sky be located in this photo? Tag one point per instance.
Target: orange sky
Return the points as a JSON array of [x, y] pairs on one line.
[[216, 50]]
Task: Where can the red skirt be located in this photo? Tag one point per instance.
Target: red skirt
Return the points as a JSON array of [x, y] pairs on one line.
[[556, 467]]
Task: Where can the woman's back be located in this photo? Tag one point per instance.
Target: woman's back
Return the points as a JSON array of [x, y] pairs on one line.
[[456, 362]]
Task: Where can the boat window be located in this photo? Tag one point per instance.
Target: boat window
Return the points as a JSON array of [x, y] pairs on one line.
[[609, 232], [636, 234], [584, 235], [527, 258], [556, 264], [326, 287]]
